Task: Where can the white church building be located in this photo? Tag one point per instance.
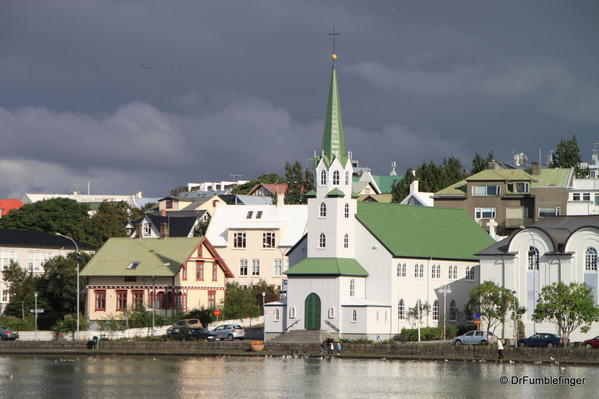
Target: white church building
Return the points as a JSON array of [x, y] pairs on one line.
[[362, 266]]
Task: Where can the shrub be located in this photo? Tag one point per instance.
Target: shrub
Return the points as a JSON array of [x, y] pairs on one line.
[[204, 315], [17, 324], [69, 324], [426, 333]]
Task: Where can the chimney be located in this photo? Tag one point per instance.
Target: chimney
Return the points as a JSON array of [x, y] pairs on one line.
[[163, 230], [280, 199], [536, 168], [414, 187], [139, 194], [492, 164]]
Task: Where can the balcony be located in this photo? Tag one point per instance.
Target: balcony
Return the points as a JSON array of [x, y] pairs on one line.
[[514, 223]]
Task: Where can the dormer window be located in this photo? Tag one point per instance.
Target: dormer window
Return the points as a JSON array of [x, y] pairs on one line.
[[132, 265], [517, 187], [249, 215], [259, 215], [336, 178], [323, 178]]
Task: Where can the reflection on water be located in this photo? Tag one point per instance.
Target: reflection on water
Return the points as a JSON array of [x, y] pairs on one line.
[[157, 377]]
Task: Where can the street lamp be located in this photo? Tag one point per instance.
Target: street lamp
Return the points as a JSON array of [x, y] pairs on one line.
[[446, 290], [532, 253], [515, 318], [77, 265], [35, 313], [154, 294]]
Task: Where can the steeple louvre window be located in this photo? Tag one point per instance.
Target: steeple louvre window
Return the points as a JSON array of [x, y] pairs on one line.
[[347, 178], [336, 178], [323, 210], [346, 241], [323, 178]]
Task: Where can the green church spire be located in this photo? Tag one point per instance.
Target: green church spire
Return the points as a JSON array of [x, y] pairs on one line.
[[333, 142]]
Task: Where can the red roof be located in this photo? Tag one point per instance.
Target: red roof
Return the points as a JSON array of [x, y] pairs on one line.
[[7, 205], [274, 188]]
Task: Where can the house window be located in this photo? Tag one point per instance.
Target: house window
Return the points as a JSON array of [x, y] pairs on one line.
[[138, 299], [453, 272], [346, 241], [100, 299], [277, 314], [354, 316], [479, 191], [331, 313], [292, 312], [168, 204], [323, 241], [179, 301], [421, 271], [211, 299], [352, 287], [416, 271], [277, 271], [346, 211], [533, 258], [37, 260], [255, 267], [214, 272], [147, 229], [243, 267], [6, 297], [162, 300], [398, 270], [453, 311], [516, 188], [401, 310], [323, 178], [591, 259], [436, 310], [238, 240], [575, 196], [323, 210], [470, 273], [6, 257], [347, 178], [336, 178], [121, 300], [404, 269], [268, 240], [586, 196], [544, 212], [184, 272], [200, 271], [484, 213], [259, 215], [249, 214]]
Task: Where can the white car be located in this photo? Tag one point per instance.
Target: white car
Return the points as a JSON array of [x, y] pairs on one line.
[[229, 331]]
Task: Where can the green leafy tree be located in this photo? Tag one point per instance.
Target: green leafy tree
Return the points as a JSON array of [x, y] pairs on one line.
[[567, 155], [567, 306], [177, 190], [69, 324], [300, 181], [204, 315], [239, 302], [109, 221], [479, 163], [419, 312], [22, 285], [493, 303], [59, 215]]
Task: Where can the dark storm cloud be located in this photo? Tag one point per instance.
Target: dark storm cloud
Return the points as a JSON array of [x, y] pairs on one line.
[[151, 94]]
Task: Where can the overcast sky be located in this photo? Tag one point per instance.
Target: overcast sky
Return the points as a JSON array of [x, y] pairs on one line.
[[147, 95]]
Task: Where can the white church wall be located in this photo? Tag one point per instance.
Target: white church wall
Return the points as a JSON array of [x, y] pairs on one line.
[[375, 258], [327, 288]]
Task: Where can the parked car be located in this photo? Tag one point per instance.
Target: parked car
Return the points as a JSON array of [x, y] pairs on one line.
[[191, 334], [544, 340], [475, 337], [8, 334], [592, 343], [192, 323], [229, 331]]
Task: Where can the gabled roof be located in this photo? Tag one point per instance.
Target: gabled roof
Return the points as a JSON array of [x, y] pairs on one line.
[[7, 205], [384, 198], [273, 188], [385, 182], [327, 267], [335, 193], [178, 226], [38, 239], [117, 254], [423, 232]]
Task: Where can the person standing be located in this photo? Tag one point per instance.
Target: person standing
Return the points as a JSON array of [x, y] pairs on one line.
[[339, 347], [499, 349]]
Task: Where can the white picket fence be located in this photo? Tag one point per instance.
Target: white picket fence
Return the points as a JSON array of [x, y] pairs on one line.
[[129, 333]]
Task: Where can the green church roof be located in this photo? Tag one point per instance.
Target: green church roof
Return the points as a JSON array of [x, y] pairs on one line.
[[327, 267], [385, 182], [311, 193], [423, 232], [333, 141], [117, 255], [335, 193]]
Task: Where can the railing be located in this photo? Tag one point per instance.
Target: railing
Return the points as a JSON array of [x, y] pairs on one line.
[[291, 325], [334, 327]]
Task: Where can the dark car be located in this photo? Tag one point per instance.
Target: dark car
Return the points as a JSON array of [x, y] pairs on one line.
[[8, 334], [592, 343], [541, 340], [191, 334]]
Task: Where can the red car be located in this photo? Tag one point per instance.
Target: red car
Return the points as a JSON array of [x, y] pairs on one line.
[[592, 343]]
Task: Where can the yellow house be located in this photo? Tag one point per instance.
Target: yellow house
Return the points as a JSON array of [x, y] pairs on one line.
[[173, 274]]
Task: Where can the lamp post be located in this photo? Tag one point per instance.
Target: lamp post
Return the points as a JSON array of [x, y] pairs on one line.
[[446, 290], [77, 266], [35, 313], [515, 319], [154, 295], [532, 253]]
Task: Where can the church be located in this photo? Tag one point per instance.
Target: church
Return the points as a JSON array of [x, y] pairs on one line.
[[366, 269]]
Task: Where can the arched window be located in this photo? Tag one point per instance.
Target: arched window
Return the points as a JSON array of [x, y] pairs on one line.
[[323, 210], [421, 270], [336, 178], [453, 311], [434, 271], [591, 259], [533, 258], [323, 178], [331, 312], [377, 316], [277, 314], [292, 312], [347, 178], [470, 273], [346, 241], [436, 310], [416, 269], [401, 310], [399, 270], [346, 213], [352, 287], [403, 270], [323, 241], [354, 315]]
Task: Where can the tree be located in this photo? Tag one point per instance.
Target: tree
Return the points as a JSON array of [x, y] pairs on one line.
[[22, 284], [493, 303], [58, 215], [479, 163], [567, 306], [177, 190], [299, 183], [268, 178], [109, 221], [567, 155], [239, 302]]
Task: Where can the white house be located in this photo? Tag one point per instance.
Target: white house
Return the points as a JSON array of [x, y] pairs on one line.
[[561, 248], [362, 265]]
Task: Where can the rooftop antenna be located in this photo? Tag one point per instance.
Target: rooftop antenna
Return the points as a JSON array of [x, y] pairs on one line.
[[88, 187], [393, 171], [334, 54]]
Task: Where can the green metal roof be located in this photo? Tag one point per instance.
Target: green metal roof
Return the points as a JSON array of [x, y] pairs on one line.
[[311, 193], [385, 182], [327, 267], [335, 193], [333, 141], [500, 175], [558, 177], [423, 232], [117, 254]]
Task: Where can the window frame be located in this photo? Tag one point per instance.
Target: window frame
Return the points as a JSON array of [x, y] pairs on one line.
[[120, 301], [100, 298], [200, 270], [322, 210], [269, 239], [239, 239]]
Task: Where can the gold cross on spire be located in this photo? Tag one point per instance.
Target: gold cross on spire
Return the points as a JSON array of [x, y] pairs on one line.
[[334, 55]]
